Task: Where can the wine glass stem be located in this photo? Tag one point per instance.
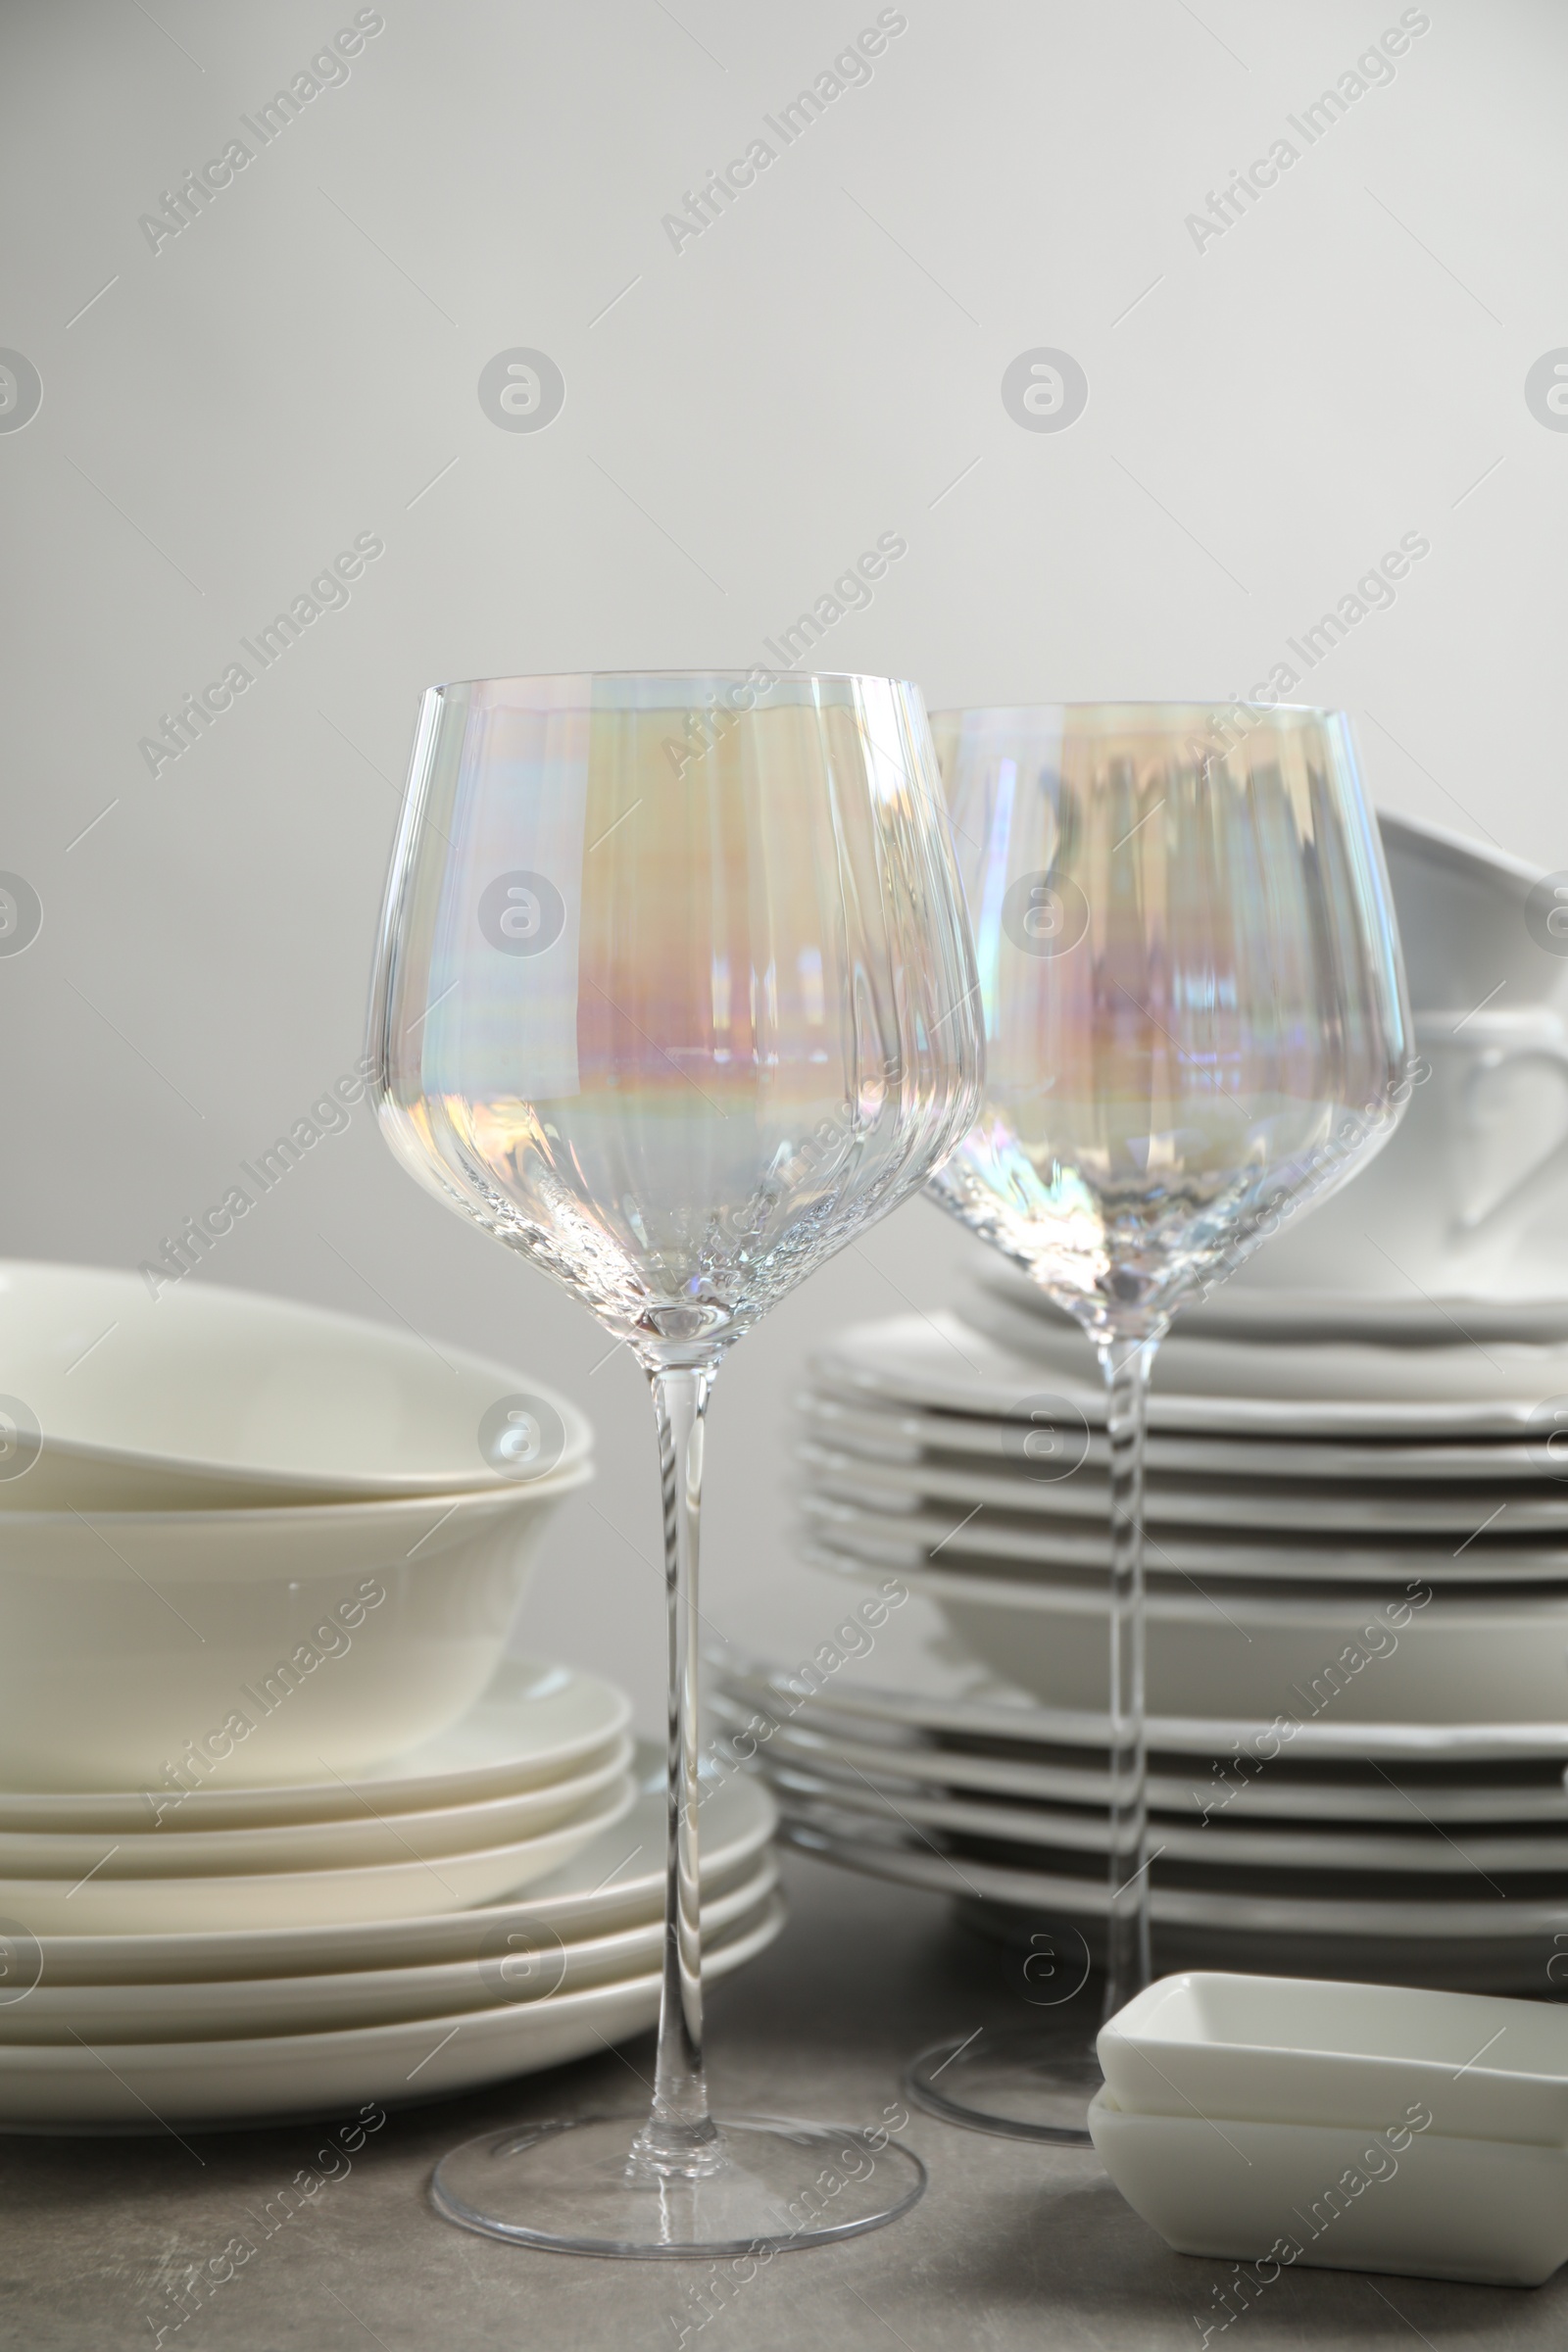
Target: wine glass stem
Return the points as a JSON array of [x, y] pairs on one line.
[[1126, 1366], [680, 2137]]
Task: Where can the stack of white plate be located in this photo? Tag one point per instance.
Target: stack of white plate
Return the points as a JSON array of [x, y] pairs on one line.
[[1357, 1552], [274, 1951]]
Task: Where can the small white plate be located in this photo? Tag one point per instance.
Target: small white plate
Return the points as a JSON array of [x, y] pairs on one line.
[[105, 1906], [523, 1964], [1492, 2212], [1294, 2050], [314, 1845], [147, 2086], [534, 1723], [615, 1881]]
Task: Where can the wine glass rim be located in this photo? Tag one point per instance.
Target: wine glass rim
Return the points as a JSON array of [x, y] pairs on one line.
[[1215, 709], [753, 676]]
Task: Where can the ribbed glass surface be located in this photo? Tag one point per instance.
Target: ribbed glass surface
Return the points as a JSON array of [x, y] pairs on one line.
[[1194, 1007], [676, 991]]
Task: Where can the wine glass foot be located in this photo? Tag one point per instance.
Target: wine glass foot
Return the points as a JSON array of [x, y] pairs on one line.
[[580, 2186], [1009, 2085]]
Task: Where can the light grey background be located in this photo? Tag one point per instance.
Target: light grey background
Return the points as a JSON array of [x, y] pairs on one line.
[[1266, 416]]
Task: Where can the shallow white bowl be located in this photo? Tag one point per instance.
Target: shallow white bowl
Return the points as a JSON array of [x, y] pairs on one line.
[[263, 1645], [1313, 2052], [1492, 2212], [206, 1397]]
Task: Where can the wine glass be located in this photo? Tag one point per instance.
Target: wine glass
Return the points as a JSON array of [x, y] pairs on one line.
[[1195, 1025], [675, 996]]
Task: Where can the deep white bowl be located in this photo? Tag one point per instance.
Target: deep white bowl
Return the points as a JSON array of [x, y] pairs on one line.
[[154, 1650], [210, 1398]]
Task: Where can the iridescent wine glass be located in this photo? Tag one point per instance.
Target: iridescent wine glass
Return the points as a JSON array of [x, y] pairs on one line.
[[675, 996], [1195, 1025]]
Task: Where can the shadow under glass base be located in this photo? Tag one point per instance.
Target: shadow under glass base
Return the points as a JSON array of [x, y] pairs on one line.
[[1013, 2084], [579, 2187]]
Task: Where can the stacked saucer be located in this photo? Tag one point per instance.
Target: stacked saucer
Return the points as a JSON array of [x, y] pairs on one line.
[[265, 1952], [1357, 1550]]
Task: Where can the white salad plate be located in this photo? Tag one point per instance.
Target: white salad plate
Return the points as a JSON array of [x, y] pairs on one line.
[[1334, 2197], [523, 1964], [943, 1362], [615, 1880], [1284, 2049], [374, 1836], [1191, 1502], [906, 1435], [149, 2086], [216, 1398], [99, 1905]]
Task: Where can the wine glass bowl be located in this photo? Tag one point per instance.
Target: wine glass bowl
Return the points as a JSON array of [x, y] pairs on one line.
[[1185, 941], [675, 996], [652, 1011]]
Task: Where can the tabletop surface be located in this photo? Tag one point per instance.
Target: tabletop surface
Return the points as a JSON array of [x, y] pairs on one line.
[[1013, 2244]]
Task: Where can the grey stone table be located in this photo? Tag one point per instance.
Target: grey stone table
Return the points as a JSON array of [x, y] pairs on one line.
[[1014, 2245]]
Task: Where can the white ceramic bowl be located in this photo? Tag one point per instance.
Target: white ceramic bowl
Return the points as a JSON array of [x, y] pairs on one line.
[[1335, 2197], [150, 1650], [1220, 1650], [206, 1397], [1284, 2049]]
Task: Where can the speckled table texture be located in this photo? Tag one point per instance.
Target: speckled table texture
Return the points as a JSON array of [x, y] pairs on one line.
[[1014, 2245]]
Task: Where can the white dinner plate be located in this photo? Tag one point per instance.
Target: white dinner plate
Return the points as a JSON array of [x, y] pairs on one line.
[[104, 1906], [1336, 1918], [906, 1541], [149, 2086], [905, 1435], [534, 1723], [524, 1964], [374, 1838], [1283, 1743], [1220, 1844], [941, 1361], [1532, 1795], [1232, 1504], [615, 1881]]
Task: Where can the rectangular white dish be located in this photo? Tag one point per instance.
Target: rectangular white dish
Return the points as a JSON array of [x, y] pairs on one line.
[[1314, 2051], [1493, 2213]]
